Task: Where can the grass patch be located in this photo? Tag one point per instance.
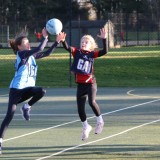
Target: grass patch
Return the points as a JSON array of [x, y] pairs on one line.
[[126, 66]]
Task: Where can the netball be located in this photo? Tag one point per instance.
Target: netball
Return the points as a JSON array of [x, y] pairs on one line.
[[54, 26]]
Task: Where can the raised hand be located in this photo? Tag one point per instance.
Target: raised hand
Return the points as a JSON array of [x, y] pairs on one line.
[[44, 33], [103, 33], [61, 37]]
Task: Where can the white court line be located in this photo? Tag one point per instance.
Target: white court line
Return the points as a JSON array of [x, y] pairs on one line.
[[136, 95], [45, 129], [111, 136], [24, 135], [129, 107], [3, 95], [46, 114]]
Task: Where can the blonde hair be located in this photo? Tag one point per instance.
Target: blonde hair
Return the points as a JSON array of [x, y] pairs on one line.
[[92, 40]]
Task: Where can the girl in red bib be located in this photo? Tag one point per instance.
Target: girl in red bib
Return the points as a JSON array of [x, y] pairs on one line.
[[83, 69]]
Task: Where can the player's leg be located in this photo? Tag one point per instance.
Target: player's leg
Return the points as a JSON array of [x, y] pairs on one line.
[[35, 93], [92, 91], [81, 100], [14, 95]]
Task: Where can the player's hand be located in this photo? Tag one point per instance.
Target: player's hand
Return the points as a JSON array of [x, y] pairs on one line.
[[61, 37], [44, 33], [103, 33]]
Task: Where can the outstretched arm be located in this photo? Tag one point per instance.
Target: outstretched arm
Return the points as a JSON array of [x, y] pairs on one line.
[[65, 44], [26, 53], [103, 35], [47, 52]]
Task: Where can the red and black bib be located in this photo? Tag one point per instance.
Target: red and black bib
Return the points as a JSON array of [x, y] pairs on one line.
[[83, 62]]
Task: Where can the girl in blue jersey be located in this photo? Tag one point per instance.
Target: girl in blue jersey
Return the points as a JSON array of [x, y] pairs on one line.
[[22, 86], [82, 67]]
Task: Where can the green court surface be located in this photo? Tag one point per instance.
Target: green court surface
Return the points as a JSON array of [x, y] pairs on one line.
[[131, 131]]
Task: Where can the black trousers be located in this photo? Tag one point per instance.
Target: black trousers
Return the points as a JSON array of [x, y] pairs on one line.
[[84, 90], [17, 96]]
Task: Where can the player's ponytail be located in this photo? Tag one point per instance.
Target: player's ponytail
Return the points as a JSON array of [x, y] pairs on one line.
[[13, 46], [14, 43]]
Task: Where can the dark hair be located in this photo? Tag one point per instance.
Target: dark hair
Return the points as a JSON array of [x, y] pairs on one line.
[[14, 43]]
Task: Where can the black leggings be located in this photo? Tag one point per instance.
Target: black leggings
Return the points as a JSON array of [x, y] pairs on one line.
[[17, 96], [82, 91]]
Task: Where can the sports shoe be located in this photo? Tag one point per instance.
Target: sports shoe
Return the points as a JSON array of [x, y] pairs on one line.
[[26, 113], [99, 127], [85, 132]]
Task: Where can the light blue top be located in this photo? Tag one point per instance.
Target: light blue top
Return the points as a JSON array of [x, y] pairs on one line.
[[25, 76], [26, 68]]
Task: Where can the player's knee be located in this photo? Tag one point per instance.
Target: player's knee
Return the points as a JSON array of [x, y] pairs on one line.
[[92, 103], [11, 112], [13, 108], [43, 91]]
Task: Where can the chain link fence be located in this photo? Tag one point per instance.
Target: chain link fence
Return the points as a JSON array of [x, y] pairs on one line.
[[133, 58]]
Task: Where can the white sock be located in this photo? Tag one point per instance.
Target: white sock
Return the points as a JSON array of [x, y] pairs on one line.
[[26, 106], [85, 124], [1, 140], [99, 119]]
